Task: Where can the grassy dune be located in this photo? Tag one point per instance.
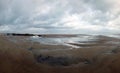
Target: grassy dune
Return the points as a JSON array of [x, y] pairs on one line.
[[17, 58]]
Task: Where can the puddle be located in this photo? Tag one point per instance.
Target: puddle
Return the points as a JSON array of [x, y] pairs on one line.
[[62, 41]]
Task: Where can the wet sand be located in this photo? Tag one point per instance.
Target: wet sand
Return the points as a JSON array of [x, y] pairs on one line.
[[23, 56]]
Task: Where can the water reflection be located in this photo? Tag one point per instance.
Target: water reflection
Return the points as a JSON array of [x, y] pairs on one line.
[[63, 40]]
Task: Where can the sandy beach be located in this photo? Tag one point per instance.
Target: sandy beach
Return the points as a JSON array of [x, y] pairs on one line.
[[18, 54]]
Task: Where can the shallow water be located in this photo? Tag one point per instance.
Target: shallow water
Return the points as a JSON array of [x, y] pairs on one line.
[[63, 41]]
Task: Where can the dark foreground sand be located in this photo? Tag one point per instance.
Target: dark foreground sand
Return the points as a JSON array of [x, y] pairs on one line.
[[21, 58]]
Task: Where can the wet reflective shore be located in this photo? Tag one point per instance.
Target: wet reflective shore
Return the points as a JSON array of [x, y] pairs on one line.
[[86, 54]]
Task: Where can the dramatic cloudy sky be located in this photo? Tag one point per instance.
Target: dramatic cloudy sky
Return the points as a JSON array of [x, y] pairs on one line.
[[60, 16]]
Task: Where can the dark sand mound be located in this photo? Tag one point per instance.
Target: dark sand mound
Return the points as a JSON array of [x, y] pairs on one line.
[[61, 61], [19, 58]]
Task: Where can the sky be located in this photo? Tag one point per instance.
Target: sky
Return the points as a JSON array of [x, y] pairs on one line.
[[60, 16]]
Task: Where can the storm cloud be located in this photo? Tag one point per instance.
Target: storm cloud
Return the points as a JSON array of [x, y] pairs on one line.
[[60, 16]]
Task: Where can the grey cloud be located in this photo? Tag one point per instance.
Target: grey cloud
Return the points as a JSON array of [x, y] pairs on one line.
[[102, 5], [47, 14]]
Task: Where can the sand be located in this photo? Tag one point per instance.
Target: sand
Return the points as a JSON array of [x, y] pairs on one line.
[[21, 57]]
